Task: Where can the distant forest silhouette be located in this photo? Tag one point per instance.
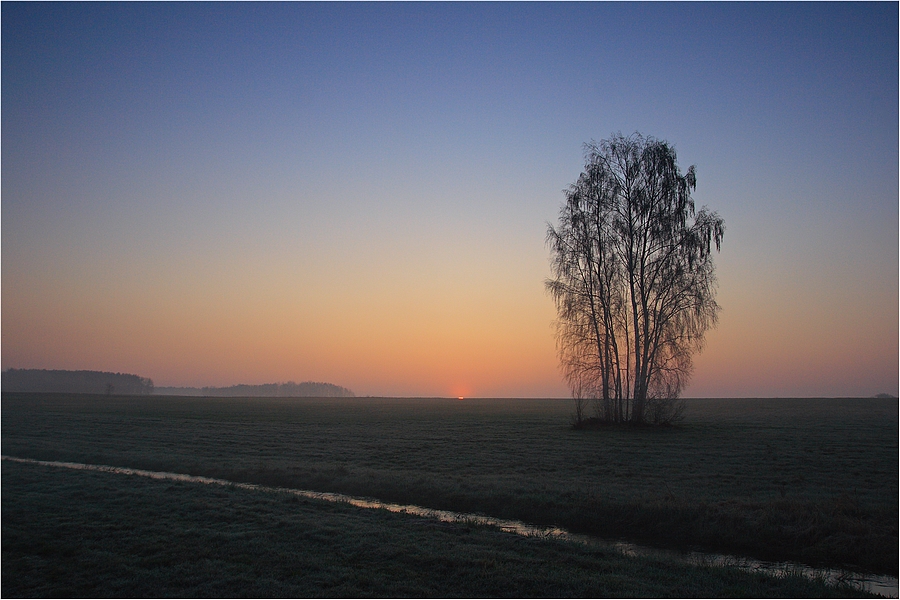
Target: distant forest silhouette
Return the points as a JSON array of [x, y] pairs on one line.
[[74, 382], [283, 390], [102, 382]]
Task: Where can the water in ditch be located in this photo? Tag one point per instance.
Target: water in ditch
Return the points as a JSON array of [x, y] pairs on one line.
[[878, 584]]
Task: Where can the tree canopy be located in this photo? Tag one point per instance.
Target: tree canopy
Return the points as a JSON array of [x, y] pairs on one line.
[[633, 280]]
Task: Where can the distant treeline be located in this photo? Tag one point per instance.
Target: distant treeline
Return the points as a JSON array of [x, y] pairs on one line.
[[284, 390], [74, 382]]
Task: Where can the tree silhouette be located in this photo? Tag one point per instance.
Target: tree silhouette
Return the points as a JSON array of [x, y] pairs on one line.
[[75, 382], [633, 280]]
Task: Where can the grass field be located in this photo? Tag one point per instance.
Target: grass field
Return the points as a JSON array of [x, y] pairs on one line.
[[809, 480], [86, 534]]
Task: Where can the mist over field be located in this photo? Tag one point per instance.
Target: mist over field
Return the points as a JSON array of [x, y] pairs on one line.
[[272, 390]]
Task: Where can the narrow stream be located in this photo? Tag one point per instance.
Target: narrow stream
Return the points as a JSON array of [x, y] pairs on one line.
[[878, 584]]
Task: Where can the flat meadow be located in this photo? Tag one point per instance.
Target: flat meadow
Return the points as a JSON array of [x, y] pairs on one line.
[[808, 480]]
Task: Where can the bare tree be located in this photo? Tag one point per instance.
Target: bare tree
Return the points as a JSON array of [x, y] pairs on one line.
[[633, 280]]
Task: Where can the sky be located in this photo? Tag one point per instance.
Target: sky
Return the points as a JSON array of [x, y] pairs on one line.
[[214, 194]]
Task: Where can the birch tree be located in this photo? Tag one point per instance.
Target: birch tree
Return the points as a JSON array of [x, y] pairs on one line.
[[633, 280]]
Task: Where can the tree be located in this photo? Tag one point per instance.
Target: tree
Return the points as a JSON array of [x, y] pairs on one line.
[[633, 280]]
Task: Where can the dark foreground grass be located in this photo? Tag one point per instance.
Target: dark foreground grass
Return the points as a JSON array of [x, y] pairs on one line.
[[815, 481], [87, 534]]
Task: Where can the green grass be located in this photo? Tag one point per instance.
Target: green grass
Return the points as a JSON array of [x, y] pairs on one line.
[[92, 534], [809, 480]]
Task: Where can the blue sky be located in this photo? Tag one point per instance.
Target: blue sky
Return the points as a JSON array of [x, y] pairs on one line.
[[209, 194]]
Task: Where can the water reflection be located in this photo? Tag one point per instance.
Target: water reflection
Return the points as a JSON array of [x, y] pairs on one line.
[[878, 584]]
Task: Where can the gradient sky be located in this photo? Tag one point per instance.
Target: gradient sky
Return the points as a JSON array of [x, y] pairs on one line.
[[212, 194]]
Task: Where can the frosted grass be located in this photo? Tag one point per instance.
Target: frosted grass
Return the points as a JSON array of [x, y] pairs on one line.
[[878, 584]]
